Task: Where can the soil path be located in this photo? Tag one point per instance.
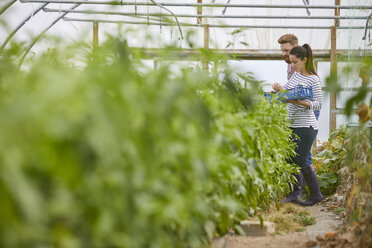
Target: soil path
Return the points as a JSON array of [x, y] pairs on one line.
[[326, 221]]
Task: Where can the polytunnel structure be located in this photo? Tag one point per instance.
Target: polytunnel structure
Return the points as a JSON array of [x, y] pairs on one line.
[[336, 30], [185, 123]]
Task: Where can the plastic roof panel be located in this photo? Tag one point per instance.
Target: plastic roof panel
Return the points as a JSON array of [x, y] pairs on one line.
[[256, 38]]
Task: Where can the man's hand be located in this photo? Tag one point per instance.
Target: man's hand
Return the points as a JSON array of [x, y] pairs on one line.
[[299, 102], [277, 87], [296, 101]]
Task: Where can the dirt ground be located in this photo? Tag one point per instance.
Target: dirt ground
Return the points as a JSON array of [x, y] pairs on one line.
[[333, 228], [292, 240], [326, 224]]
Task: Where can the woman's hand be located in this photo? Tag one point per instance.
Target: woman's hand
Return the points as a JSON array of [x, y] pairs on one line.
[[277, 87]]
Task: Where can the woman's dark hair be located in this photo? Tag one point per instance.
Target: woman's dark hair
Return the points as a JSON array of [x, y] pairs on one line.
[[303, 52]]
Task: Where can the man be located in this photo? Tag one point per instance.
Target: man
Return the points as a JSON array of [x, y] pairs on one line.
[[287, 42]]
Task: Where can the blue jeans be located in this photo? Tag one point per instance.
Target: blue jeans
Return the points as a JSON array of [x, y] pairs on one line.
[[303, 145], [310, 157]]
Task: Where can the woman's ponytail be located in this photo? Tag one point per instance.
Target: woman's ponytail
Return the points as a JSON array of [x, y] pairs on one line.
[[310, 59], [303, 52]]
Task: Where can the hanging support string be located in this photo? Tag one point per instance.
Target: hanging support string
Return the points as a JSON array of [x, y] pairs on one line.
[[307, 3], [162, 7], [365, 30]]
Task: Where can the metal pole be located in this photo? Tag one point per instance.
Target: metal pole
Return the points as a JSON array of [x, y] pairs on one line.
[[21, 25], [121, 3], [206, 46], [199, 19], [200, 16], [95, 38], [7, 6], [210, 25], [95, 35], [41, 34], [365, 31], [313, 147], [206, 36], [337, 13], [249, 54], [333, 95], [246, 54]]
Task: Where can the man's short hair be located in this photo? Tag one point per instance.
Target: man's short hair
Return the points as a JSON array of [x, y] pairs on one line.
[[291, 38]]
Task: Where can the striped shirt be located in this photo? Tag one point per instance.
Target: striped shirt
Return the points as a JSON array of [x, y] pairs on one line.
[[290, 71], [301, 116]]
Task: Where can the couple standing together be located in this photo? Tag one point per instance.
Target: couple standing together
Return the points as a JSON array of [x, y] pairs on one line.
[[303, 115]]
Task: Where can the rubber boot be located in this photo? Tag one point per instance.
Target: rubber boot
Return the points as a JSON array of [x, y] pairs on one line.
[[303, 194], [313, 184], [294, 194]]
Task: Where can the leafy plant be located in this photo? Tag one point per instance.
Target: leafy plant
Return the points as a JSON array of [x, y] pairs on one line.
[[113, 154], [328, 162], [365, 73], [305, 219]]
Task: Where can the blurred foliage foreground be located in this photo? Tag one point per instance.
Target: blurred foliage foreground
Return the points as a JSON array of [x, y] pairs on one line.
[[348, 174], [114, 154]]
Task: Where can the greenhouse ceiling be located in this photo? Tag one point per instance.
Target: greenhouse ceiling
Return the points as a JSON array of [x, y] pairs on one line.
[[245, 25]]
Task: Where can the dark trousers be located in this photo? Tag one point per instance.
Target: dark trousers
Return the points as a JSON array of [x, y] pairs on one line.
[[304, 141], [310, 157]]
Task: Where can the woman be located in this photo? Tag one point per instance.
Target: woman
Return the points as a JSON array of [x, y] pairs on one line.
[[303, 121]]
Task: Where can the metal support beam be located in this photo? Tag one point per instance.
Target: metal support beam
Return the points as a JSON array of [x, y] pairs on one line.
[[210, 25], [313, 147], [270, 6], [250, 54], [365, 31], [206, 36], [21, 25], [337, 13], [95, 39], [206, 46], [95, 35], [200, 16], [333, 95], [42, 33], [2, 10], [199, 19]]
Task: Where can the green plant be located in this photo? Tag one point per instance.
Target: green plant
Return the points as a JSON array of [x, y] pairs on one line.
[[340, 210], [305, 219], [113, 154], [364, 68], [254, 162], [328, 162]]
